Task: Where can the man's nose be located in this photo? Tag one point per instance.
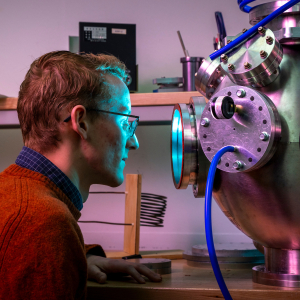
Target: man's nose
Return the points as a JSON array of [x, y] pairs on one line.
[[133, 143]]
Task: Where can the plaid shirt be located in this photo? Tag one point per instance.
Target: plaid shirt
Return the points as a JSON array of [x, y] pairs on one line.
[[35, 161]]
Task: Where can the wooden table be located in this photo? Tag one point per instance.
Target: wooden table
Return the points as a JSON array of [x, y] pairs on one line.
[[190, 283]]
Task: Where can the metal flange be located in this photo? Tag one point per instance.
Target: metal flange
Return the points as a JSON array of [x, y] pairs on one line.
[[189, 164], [256, 62], [209, 77], [254, 129]]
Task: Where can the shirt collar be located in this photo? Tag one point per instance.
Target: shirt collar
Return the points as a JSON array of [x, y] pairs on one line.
[[35, 161]]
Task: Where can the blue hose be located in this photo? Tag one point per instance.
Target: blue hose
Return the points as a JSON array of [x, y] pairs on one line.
[[243, 5], [253, 29], [207, 216]]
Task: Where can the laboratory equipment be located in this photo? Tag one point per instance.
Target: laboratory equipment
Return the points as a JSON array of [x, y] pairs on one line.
[[250, 102]]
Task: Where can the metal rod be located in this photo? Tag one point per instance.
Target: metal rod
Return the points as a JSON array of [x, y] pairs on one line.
[[186, 53], [107, 192], [109, 223]]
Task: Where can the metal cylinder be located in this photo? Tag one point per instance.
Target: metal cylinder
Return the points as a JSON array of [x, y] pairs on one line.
[[190, 66]]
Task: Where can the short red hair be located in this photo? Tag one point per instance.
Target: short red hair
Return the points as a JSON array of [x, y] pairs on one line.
[[59, 80]]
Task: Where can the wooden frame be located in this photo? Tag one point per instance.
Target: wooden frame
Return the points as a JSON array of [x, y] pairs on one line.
[[132, 215]]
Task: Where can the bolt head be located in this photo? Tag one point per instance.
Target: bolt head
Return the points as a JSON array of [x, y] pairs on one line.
[[229, 41], [238, 165], [231, 67], [261, 30], [269, 40], [244, 30], [224, 58], [264, 136], [205, 122], [247, 65], [263, 54], [241, 93]]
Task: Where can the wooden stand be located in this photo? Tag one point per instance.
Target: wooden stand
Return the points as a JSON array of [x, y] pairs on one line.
[[132, 215]]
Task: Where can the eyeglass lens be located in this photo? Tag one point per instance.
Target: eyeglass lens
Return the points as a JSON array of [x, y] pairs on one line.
[[133, 122]]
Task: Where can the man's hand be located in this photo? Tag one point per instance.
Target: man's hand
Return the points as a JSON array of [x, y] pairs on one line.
[[99, 267]]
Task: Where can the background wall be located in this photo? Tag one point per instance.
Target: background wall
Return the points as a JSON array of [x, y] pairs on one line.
[[31, 28]]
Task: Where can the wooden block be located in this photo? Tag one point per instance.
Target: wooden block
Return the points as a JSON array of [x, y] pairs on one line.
[[132, 213]]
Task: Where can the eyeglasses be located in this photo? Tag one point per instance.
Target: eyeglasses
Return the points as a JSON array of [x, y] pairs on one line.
[[131, 125]]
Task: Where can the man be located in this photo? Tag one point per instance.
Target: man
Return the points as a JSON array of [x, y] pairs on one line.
[[74, 111]]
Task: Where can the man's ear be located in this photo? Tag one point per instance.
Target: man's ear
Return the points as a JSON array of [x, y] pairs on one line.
[[79, 121]]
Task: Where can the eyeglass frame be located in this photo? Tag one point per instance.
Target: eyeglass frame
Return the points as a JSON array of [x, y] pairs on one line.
[[114, 113]]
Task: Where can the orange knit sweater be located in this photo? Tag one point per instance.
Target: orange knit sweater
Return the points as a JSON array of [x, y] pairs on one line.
[[42, 253]]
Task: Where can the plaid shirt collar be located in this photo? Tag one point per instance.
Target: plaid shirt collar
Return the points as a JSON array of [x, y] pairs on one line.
[[35, 161]]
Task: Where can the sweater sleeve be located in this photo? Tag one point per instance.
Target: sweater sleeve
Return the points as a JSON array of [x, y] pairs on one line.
[[94, 250], [45, 258]]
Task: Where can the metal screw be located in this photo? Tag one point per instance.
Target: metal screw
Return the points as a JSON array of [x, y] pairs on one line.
[[231, 67], [241, 93], [229, 41], [247, 65], [269, 40], [244, 30], [224, 58], [261, 30], [238, 165], [264, 136], [205, 122], [263, 54]]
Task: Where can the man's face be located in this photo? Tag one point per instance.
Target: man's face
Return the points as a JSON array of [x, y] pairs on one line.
[[108, 141]]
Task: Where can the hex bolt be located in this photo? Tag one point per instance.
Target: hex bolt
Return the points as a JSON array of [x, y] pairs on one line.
[[269, 40], [229, 41], [241, 93], [263, 54], [231, 67], [264, 136], [261, 30], [224, 58], [247, 65], [238, 165], [244, 30], [205, 122]]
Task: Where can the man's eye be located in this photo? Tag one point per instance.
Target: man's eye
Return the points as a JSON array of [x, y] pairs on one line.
[[125, 125]]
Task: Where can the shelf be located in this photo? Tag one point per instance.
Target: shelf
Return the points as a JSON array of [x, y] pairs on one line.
[[153, 108], [138, 99]]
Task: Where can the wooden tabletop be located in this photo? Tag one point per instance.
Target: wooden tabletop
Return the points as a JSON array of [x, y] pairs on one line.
[[190, 283], [137, 99]]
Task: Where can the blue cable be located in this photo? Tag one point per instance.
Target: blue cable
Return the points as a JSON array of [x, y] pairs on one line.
[[243, 5], [253, 29], [207, 216]]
